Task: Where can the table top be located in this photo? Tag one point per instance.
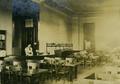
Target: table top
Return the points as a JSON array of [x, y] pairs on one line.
[[68, 65], [37, 73], [95, 57], [28, 74], [72, 65]]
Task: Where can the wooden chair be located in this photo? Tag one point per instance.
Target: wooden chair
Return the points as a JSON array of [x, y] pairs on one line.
[[88, 62], [62, 72]]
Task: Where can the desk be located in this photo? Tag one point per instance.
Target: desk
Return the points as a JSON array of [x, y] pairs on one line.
[[24, 78], [72, 68], [37, 77], [37, 73]]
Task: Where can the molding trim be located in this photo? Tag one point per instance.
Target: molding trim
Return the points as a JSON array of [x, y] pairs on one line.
[[54, 9], [61, 7]]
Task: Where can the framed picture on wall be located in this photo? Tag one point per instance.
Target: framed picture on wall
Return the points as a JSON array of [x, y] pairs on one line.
[[29, 23]]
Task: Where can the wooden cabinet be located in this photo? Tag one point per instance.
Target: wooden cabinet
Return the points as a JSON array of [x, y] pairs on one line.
[[2, 39]]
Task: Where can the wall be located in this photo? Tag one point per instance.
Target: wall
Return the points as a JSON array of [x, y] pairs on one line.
[[6, 24], [54, 26], [107, 29]]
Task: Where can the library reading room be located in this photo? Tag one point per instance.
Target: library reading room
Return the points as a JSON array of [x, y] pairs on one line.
[[59, 41]]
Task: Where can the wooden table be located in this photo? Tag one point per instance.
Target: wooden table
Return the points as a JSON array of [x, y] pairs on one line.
[[36, 78], [24, 78], [72, 68]]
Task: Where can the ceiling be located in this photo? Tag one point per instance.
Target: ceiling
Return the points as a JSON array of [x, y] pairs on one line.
[[86, 6], [76, 6], [6, 4], [25, 8], [94, 5]]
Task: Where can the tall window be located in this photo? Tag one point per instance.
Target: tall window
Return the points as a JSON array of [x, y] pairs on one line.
[[89, 35]]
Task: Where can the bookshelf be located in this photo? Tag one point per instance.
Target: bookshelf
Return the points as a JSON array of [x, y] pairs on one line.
[[2, 39], [50, 47]]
